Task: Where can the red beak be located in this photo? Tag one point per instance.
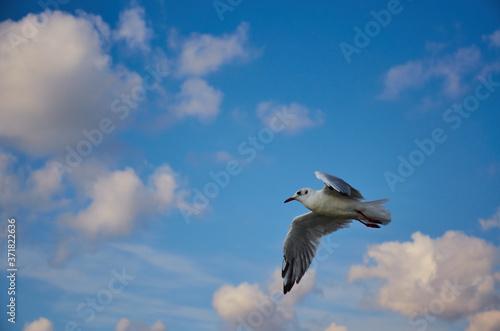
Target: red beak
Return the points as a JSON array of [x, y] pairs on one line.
[[289, 199]]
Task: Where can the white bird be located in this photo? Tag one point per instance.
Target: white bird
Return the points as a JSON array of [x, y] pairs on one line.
[[332, 208]]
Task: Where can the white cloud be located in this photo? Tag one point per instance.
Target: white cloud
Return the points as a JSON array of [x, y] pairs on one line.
[[250, 306], [455, 269], [126, 325], [100, 26], [335, 327], [162, 186], [485, 321], [402, 77], [300, 117], [451, 68], [233, 302], [201, 54], [119, 197], [198, 99], [57, 83], [132, 27], [116, 201], [45, 181], [107, 203], [122, 325], [493, 39], [41, 324], [493, 222], [25, 187]]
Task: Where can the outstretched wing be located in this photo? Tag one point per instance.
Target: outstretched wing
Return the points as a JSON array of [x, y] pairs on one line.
[[302, 242], [337, 184]]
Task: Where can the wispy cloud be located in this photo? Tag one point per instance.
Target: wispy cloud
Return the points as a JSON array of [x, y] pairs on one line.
[[63, 278], [25, 187], [201, 54], [301, 117], [493, 222], [493, 39], [133, 29], [86, 274], [188, 273], [450, 68], [403, 77]]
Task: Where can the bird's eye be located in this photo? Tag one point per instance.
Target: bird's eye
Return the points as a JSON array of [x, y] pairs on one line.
[[299, 193], [305, 192]]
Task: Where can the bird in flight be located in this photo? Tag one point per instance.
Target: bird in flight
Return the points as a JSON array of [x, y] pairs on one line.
[[332, 208]]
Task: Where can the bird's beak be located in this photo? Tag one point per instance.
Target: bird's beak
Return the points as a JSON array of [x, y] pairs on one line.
[[289, 199]]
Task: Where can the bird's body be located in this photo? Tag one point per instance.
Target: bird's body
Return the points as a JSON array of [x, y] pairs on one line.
[[332, 208], [333, 205]]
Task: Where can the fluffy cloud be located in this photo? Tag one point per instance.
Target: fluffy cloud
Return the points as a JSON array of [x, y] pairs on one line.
[[132, 28], [299, 117], [198, 99], [201, 54], [44, 181], [335, 327], [41, 324], [450, 68], [493, 222], [450, 276], [116, 201], [57, 83], [119, 197], [126, 325], [493, 39], [249, 306], [485, 321]]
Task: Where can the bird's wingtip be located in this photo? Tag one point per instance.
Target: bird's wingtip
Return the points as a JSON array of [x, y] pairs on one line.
[[284, 267], [287, 288]]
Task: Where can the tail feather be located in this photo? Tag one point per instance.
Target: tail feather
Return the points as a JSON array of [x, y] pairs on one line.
[[376, 210]]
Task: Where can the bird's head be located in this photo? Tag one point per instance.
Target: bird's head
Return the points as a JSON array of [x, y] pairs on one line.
[[301, 195]]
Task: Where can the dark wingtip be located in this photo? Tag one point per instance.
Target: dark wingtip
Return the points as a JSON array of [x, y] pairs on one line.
[[289, 282], [287, 288]]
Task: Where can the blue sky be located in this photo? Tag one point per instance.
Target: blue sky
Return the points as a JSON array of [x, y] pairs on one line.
[[147, 148]]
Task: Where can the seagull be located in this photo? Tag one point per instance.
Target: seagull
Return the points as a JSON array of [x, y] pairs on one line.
[[332, 208]]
